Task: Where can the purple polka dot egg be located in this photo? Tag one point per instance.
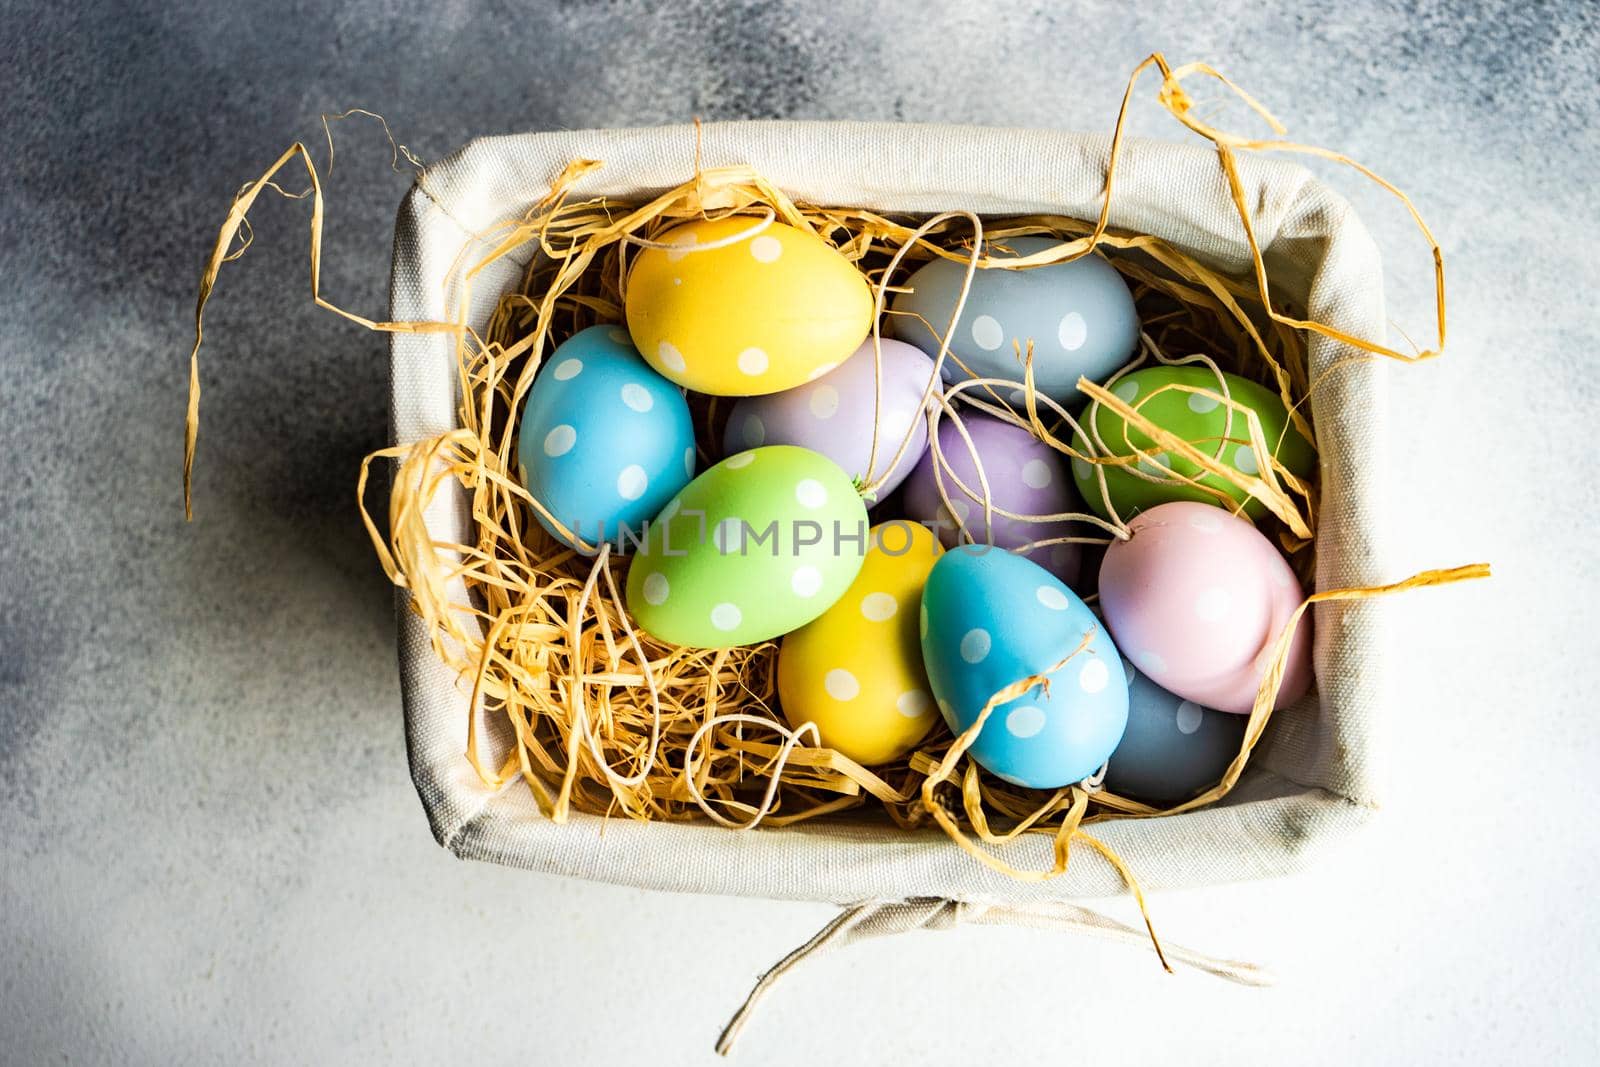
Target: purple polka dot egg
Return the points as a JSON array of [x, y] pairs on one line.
[[1024, 476], [604, 441], [847, 416], [991, 618]]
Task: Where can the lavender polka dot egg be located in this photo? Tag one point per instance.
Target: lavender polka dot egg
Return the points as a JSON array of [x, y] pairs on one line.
[[991, 618], [838, 413], [1080, 317], [1197, 597], [1025, 476], [604, 441]]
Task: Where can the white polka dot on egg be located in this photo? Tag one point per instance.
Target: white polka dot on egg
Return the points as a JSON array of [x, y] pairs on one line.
[[766, 248], [1201, 404], [620, 336], [1212, 605], [1052, 598], [726, 616], [1025, 721], [741, 459], [670, 357], [728, 535], [1094, 676], [1072, 332], [1189, 716], [1036, 474], [820, 371], [656, 589], [805, 581], [1244, 458], [637, 397], [1206, 522], [559, 441], [632, 482], [810, 493], [1082, 469], [1157, 463], [688, 461], [824, 401], [1126, 390], [1154, 663], [987, 333], [914, 703], [878, 607], [752, 361], [975, 645], [754, 431], [841, 684], [568, 369], [922, 620]]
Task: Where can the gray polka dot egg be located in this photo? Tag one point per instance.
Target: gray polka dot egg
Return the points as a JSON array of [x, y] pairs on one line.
[[1080, 317], [991, 618], [1173, 748], [604, 441]]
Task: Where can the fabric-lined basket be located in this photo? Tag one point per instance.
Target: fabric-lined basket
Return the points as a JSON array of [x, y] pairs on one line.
[[1309, 781]]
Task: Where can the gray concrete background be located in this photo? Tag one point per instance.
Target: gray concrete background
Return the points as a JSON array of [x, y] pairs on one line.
[[209, 848]]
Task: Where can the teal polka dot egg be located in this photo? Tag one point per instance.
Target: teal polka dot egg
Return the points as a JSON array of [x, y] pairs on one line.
[[1080, 317], [757, 546], [604, 441], [991, 618]]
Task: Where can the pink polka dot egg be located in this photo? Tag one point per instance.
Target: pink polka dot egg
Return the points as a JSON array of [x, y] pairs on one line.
[[1196, 598], [991, 618]]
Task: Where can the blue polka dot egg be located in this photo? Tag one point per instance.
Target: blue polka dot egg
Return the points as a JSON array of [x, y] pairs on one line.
[[991, 618], [604, 440], [1173, 748], [1079, 316]]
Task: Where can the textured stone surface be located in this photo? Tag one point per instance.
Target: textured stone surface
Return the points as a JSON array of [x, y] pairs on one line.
[[201, 863]]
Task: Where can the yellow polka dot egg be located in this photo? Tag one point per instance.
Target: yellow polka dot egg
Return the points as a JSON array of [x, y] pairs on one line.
[[738, 307], [856, 671]]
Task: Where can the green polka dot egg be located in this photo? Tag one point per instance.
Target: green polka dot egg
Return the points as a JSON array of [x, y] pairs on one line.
[[1200, 419], [757, 546]]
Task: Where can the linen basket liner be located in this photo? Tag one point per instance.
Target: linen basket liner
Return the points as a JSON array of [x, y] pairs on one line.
[[1310, 780]]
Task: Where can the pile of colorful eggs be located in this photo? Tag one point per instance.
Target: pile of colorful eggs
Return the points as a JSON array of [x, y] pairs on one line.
[[961, 581]]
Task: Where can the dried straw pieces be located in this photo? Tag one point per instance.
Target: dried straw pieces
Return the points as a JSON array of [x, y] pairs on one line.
[[610, 721]]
